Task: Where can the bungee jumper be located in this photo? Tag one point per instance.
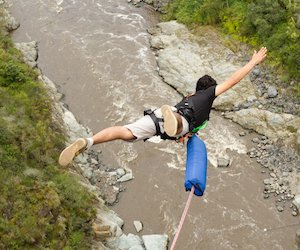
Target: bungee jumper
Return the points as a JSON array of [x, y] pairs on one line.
[[169, 122], [183, 120]]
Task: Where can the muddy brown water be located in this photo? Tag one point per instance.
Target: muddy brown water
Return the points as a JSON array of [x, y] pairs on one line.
[[97, 52]]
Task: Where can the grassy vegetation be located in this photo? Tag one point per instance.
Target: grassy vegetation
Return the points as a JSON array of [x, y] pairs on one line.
[[272, 23], [41, 206]]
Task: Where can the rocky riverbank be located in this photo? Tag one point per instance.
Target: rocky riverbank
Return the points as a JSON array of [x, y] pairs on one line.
[[101, 180], [158, 5], [256, 103], [183, 57]]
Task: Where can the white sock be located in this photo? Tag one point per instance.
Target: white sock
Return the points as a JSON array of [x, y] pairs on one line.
[[90, 142]]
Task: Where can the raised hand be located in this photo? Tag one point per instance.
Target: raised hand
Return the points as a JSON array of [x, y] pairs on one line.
[[259, 56]]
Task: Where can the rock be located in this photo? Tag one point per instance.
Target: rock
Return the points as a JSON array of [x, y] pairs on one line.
[[162, 42], [135, 2], [74, 129], [155, 242], [272, 92], [30, 52], [256, 72], [298, 237], [223, 162], [128, 242], [139, 247], [275, 126], [149, 1], [159, 5], [273, 175], [251, 98], [242, 133], [9, 21], [102, 231], [88, 173], [138, 226], [94, 161], [268, 181], [285, 174], [296, 202], [298, 140], [126, 177], [294, 213], [120, 172], [279, 208]]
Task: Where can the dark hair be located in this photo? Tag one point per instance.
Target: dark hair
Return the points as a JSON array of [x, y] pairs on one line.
[[205, 82]]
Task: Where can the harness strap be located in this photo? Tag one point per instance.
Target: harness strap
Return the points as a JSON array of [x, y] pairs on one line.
[[185, 108], [186, 112], [156, 122]]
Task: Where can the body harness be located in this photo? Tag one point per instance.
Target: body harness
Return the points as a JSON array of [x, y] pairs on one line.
[[185, 109]]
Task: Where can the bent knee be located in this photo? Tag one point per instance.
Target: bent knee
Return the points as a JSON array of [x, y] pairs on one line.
[[127, 135]]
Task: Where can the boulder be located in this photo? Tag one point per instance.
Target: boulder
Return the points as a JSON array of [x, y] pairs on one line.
[[223, 162], [182, 60], [30, 52], [129, 241], [272, 92], [126, 177], [275, 126], [138, 225], [296, 202], [155, 241], [9, 21]]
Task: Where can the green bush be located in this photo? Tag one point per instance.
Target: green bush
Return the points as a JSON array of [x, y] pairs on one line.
[[274, 24], [41, 206]]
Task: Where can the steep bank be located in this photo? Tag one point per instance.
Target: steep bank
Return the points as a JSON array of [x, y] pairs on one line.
[[103, 182], [41, 205], [182, 57]]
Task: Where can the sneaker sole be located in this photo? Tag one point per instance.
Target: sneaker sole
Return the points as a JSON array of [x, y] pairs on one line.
[[170, 121], [68, 154]]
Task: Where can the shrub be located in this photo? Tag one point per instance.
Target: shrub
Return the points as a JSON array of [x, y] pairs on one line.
[[267, 22], [41, 206]]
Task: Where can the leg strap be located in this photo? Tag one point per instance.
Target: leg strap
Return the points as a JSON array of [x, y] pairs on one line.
[[156, 121]]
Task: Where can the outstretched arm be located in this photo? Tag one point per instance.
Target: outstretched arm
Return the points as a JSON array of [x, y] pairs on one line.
[[257, 58]]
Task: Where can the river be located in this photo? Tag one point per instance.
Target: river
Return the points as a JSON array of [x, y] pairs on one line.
[[97, 52]]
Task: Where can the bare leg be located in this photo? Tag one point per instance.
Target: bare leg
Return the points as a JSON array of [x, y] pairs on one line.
[[113, 133], [105, 135]]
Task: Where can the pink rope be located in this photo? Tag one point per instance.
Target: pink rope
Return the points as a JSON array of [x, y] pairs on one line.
[[187, 205]]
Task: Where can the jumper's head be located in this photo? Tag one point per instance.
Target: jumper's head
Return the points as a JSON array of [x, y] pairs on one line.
[[205, 82]]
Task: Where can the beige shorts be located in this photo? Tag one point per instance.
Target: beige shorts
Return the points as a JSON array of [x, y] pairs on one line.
[[144, 128]]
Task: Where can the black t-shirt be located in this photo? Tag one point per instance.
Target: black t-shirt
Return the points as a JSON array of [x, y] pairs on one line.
[[201, 103]]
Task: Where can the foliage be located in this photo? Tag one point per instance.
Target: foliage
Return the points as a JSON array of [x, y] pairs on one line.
[[41, 206], [184, 11], [272, 23]]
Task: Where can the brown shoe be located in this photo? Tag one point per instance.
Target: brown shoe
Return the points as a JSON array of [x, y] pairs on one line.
[[170, 121], [68, 154]]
